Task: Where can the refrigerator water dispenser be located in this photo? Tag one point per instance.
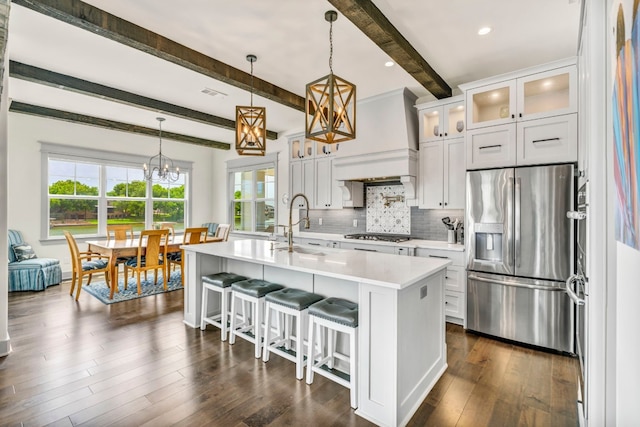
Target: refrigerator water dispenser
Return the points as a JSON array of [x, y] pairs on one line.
[[488, 242]]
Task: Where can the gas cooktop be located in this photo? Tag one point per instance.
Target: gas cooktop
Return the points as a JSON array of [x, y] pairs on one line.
[[381, 237]]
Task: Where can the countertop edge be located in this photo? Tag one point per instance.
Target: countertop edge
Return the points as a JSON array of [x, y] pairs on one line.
[[441, 265]]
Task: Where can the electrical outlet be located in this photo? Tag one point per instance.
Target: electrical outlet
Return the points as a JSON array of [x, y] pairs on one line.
[[355, 222], [319, 221]]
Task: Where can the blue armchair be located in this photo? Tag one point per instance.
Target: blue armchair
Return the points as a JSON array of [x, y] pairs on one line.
[[212, 226], [35, 274]]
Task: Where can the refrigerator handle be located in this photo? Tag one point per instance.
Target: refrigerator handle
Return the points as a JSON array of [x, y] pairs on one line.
[[568, 286], [516, 231]]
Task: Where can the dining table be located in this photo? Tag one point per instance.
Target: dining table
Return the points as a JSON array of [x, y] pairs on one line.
[[115, 249]]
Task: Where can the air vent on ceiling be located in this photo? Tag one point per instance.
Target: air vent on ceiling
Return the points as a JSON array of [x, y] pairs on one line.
[[213, 92]]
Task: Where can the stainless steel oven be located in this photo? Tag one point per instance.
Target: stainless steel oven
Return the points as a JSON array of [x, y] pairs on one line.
[[578, 290]]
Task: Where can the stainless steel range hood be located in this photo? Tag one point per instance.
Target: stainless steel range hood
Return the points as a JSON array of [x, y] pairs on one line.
[[386, 146]]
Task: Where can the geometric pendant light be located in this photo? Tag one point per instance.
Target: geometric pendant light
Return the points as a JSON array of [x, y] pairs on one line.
[[251, 124], [330, 102]]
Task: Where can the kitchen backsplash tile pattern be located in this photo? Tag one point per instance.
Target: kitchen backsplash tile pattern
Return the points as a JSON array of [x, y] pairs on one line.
[[387, 211], [425, 224]]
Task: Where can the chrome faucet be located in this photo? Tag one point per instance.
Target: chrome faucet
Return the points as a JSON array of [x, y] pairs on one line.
[[305, 219]]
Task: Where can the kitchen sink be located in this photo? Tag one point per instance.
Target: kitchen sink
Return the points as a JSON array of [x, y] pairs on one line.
[[300, 250]]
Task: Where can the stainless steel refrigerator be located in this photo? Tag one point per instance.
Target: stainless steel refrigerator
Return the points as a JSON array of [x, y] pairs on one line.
[[520, 253]]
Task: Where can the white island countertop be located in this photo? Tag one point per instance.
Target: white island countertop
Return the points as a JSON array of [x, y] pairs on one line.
[[391, 271]]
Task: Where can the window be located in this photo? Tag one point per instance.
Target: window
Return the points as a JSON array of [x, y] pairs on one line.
[[85, 194], [253, 194]]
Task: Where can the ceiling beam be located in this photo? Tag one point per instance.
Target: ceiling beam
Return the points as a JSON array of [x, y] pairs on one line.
[[85, 16], [372, 22], [36, 110], [50, 78]]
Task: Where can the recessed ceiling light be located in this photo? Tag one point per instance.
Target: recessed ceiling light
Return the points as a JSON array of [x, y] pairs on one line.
[[484, 31], [389, 64]]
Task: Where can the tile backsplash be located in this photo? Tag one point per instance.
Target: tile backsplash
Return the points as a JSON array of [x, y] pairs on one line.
[[387, 211], [423, 223]]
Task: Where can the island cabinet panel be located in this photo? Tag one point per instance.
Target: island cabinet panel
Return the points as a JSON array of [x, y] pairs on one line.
[[387, 337], [401, 351], [288, 278]]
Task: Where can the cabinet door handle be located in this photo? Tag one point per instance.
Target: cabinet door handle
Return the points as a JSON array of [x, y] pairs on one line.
[[513, 116], [520, 115], [438, 256], [440, 204], [313, 244], [544, 140], [489, 146], [445, 203], [446, 134], [366, 250]]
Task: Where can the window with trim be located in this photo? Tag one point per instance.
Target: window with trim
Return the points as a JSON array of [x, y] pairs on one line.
[[253, 194], [83, 195]]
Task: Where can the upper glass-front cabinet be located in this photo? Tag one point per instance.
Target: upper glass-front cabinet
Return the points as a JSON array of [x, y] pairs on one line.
[[539, 95], [301, 148], [441, 121]]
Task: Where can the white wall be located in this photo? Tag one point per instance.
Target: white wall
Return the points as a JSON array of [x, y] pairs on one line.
[[24, 192], [627, 335]]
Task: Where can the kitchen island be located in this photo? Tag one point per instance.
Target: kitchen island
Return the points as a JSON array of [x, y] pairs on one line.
[[401, 338]]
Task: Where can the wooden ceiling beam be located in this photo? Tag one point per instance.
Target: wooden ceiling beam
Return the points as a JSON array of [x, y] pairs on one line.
[[85, 16], [50, 78], [372, 22], [50, 113]]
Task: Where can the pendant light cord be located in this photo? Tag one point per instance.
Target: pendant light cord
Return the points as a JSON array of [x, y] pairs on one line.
[[251, 84], [331, 47]]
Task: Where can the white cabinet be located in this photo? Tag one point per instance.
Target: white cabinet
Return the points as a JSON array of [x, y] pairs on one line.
[[490, 147], [455, 283], [327, 193], [442, 174], [505, 117], [551, 139], [441, 119], [368, 247], [302, 180], [533, 95], [441, 161], [311, 173]]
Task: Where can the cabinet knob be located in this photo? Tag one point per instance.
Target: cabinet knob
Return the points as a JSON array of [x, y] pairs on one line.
[[440, 204], [445, 203], [446, 134], [440, 135], [520, 115]]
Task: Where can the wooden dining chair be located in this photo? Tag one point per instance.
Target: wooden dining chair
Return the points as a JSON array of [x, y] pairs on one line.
[[223, 231], [151, 255], [85, 264], [120, 232], [168, 226], [192, 236]]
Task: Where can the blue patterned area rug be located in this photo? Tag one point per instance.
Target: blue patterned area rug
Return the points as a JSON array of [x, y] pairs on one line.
[[100, 290]]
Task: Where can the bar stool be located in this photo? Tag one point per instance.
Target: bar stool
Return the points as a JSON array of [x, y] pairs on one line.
[[335, 315], [250, 291], [292, 304], [220, 283]]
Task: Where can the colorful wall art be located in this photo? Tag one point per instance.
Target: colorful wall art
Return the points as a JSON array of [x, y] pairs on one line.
[[626, 121]]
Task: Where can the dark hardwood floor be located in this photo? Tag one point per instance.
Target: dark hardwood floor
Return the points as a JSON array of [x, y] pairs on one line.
[[136, 364]]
